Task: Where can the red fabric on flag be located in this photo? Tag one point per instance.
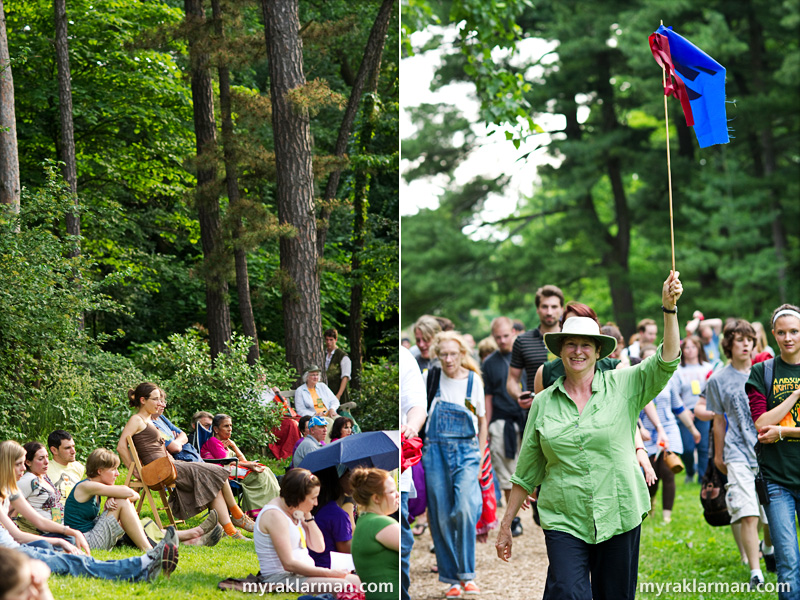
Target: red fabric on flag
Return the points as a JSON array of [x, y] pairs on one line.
[[659, 46]]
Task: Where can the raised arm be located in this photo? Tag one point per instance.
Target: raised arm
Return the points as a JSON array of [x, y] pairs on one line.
[[670, 292]]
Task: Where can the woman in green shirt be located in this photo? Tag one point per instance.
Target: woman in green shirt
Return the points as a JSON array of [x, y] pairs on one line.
[[579, 445], [376, 541]]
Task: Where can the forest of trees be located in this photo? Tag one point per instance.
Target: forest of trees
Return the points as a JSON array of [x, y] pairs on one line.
[[597, 224], [194, 191]]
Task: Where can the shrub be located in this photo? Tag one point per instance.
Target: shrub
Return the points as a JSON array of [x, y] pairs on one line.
[[379, 397], [182, 367]]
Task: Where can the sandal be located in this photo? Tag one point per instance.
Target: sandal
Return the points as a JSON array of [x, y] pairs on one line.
[[419, 529]]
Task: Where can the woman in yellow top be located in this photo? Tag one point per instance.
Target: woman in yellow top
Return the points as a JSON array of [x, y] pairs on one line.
[[579, 445]]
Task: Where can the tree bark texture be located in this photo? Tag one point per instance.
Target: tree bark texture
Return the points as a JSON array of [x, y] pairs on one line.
[[370, 65], [9, 157], [217, 309], [232, 183], [295, 186], [67, 154]]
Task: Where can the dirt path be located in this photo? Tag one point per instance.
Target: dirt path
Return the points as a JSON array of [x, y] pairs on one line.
[[521, 579]]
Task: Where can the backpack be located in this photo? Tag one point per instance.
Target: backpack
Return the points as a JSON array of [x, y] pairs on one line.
[[712, 491]]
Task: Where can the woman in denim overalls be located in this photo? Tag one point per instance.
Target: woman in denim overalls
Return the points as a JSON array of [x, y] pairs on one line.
[[455, 431]]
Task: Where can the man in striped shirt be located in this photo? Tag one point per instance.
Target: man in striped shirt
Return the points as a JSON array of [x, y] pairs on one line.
[[529, 351]]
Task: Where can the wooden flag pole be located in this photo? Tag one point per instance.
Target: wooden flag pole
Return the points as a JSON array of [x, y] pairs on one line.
[[669, 166]]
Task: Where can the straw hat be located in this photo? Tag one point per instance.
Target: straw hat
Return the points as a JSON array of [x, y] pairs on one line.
[[583, 326]]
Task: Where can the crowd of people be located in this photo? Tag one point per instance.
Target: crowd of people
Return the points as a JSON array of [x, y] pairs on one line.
[[585, 428], [54, 510]]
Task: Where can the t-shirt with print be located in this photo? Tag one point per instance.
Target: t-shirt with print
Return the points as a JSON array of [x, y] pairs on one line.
[[780, 462], [43, 497], [65, 477], [455, 391], [725, 394], [692, 381]]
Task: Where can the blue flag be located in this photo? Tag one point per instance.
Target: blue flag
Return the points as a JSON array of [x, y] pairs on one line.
[[699, 84]]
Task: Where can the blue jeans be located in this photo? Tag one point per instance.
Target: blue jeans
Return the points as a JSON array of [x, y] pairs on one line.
[[704, 427], [61, 563], [406, 544], [783, 506], [452, 465]]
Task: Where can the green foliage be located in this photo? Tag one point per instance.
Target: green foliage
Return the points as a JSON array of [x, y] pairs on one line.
[[597, 223], [182, 367], [378, 400]]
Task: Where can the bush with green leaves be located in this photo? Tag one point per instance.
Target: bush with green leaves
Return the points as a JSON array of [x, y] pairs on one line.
[[46, 356], [379, 397], [182, 367]]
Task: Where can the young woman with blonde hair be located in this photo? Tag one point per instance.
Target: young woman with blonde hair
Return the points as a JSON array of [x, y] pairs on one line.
[[456, 432]]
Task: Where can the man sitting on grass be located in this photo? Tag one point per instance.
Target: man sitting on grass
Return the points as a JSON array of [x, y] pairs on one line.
[[104, 530], [64, 471]]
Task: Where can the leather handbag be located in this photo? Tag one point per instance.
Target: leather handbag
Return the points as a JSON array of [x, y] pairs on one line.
[[673, 461], [159, 473]]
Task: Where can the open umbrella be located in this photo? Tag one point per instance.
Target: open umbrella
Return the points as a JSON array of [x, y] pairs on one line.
[[372, 449]]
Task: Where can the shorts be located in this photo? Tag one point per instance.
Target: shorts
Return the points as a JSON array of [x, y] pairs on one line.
[[740, 494], [105, 533], [503, 467]]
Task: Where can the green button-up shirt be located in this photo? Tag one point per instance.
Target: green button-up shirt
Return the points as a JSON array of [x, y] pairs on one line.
[[592, 486]]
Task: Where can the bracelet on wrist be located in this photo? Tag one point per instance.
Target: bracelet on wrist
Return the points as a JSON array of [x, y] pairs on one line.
[[673, 311], [641, 448], [308, 520]]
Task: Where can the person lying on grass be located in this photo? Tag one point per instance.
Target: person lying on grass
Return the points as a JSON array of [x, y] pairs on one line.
[[62, 557], [103, 529]]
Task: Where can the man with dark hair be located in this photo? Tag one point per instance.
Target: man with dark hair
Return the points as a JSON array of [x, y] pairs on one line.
[[338, 366], [64, 471], [735, 436], [529, 351]]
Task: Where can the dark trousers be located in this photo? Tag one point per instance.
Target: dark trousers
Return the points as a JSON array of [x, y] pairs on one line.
[[581, 571]]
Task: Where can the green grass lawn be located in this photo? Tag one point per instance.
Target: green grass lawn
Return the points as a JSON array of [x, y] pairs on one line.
[[199, 569], [688, 548]]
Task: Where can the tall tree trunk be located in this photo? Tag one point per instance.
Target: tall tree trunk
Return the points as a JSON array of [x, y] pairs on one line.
[[295, 185], [9, 157], [360, 209], [370, 63], [214, 259], [231, 179], [67, 146]]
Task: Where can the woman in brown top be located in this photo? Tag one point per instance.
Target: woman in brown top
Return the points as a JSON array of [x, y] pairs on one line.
[[198, 485]]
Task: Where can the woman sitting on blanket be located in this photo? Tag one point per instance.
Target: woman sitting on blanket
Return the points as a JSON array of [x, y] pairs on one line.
[[103, 529], [259, 483], [198, 485], [286, 529]]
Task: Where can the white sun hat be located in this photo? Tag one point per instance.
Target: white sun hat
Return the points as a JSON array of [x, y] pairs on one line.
[[583, 326]]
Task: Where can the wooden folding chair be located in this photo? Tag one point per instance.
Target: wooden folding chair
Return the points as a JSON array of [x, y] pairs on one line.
[[136, 483]]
